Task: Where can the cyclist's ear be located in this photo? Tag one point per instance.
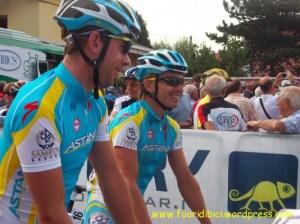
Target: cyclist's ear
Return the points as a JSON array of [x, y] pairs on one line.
[[94, 43], [149, 85]]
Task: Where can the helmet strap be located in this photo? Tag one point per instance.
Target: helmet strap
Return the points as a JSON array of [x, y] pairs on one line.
[[154, 96], [94, 63]]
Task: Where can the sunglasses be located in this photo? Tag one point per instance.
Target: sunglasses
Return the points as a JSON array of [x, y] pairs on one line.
[[172, 81], [126, 45], [127, 41]]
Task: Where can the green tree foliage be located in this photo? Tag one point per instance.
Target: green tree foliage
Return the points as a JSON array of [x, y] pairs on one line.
[[206, 59], [144, 36], [162, 45], [234, 56], [269, 28], [189, 51], [200, 58]]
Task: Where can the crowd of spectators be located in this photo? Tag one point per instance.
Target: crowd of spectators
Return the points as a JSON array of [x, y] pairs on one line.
[[211, 101], [8, 91], [274, 101]]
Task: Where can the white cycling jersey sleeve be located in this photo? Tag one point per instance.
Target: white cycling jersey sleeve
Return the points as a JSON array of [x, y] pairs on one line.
[[38, 147]]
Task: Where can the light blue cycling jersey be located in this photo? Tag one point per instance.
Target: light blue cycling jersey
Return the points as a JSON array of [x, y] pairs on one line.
[[138, 127], [52, 123]]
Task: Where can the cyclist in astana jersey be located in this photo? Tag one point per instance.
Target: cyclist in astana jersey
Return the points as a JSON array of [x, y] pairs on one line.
[[57, 121], [143, 135]]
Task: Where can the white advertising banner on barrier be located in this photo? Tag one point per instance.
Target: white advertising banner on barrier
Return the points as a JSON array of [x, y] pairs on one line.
[[244, 177], [19, 63]]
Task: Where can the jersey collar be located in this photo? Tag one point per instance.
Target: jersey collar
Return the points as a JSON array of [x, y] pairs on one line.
[[72, 84], [149, 109]]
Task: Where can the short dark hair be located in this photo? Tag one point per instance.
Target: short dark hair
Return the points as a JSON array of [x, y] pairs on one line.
[[266, 86], [233, 87], [197, 77], [70, 46]]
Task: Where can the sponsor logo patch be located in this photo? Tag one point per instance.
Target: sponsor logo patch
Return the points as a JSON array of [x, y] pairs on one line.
[[45, 139], [131, 134], [227, 120], [76, 124], [30, 107], [150, 134], [81, 142], [99, 218]]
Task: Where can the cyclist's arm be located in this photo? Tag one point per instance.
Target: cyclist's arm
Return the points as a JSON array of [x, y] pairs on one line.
[[187, 184], [47, 190], [127, 160], [111, 182], [43, 172]]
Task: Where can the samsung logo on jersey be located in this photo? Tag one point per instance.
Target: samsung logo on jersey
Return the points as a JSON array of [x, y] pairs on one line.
[[81, 142], [44, 154], [156, 148], [9, 60]]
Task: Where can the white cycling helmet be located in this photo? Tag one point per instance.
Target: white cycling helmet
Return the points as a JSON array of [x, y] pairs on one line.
[[114, 16]]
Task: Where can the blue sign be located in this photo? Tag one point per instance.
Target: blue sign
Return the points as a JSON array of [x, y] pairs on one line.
[[261, 184]]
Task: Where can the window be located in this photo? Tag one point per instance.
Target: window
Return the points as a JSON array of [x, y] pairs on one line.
[[3, 21]]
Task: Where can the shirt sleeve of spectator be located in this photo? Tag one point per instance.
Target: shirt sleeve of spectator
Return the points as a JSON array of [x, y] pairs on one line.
[[292, 124]]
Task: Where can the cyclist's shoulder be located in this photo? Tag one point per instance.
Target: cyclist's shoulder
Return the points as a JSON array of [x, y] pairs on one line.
[[29, 98], [172, 122], [128, 114]]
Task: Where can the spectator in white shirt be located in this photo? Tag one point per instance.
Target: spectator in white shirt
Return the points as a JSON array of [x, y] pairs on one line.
[[265, 105]]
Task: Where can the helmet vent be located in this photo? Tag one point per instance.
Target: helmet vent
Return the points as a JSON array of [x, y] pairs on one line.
[[156, 63], [72, 13], [178, 68], [142, 62], [175, 59], [163, 57], [116, 16], [135, 31], [126, 10], [87, 5]]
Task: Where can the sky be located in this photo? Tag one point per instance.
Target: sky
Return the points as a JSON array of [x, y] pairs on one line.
[[171, 20]]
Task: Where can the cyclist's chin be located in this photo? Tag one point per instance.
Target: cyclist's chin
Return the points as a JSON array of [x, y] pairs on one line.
[[107, 81], [172, 103]]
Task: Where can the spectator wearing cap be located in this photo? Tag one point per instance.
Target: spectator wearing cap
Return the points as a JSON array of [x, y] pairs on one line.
[[265, 105], [233, 95], [289, 107]]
